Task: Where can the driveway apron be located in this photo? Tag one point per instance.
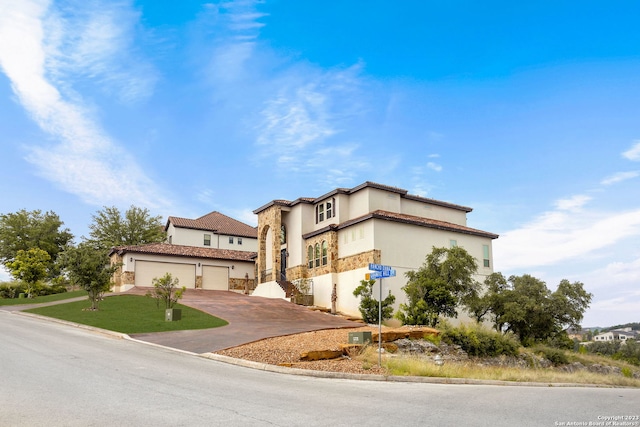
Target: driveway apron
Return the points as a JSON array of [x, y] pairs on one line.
[[250, 319]]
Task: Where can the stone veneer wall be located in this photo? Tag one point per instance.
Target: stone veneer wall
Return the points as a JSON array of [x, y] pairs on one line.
[[297, 272], [120, 277], [360, 260], [198, 282], [237, 284], [270, 218], [331, 237], [128, 278]]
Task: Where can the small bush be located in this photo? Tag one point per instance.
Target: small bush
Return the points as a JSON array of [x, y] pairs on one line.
[[556, 356], [11, 290], [481, 342], [369, 306]]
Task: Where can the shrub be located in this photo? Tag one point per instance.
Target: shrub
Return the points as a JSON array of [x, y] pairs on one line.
[[553, 355], [11, 290], [369, 306], [481, 342]]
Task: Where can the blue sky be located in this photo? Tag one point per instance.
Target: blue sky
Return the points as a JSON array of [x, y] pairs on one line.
[[528, 113]]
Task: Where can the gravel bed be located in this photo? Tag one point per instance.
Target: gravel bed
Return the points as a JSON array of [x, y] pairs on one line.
[[286, 351]]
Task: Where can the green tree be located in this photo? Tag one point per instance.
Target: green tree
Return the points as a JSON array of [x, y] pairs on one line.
[[88, 267], [369, 307], [30, 267], [136, 227], [24, 230], [490, 304], [525, 306], [569, 302], [166, 290], [444, 281]]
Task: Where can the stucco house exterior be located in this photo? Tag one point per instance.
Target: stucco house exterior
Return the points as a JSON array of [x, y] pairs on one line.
[[213, 230], [623, 334], [330, 240], [211, 252]]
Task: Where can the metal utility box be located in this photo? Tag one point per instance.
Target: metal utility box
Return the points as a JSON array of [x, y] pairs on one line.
[[359, 337], [172, 314]]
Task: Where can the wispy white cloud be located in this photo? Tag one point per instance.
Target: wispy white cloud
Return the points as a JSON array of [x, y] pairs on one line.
[[94, 42], [634, 152], [572, 204], [434, 166], [568, 232], [294, 120], [297, 113], [83, 160], [619, 177]]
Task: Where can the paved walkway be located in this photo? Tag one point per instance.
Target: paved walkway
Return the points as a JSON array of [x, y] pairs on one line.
[[250, 319]]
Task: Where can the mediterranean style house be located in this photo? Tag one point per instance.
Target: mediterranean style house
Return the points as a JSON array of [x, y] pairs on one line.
[[325, 244], [211, 252]]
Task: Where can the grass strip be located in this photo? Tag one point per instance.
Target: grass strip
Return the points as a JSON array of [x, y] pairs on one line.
[[130, 314], [42, 299]]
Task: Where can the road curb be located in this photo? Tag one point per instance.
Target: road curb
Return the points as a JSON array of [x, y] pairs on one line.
[[317, 374]]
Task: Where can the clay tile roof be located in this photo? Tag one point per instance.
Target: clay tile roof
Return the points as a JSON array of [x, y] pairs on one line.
[[215, 222], [186, 251], [431, 223]]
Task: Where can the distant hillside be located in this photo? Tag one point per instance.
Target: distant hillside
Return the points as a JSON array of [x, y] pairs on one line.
[[634, 326]]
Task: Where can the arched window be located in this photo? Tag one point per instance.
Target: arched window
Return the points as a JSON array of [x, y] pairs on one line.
[[310, 256], [324, 252], [283, 234], [317, 255]]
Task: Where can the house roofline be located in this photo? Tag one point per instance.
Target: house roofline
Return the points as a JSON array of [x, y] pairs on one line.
[[367, 184], [406, 219], [169, 249]]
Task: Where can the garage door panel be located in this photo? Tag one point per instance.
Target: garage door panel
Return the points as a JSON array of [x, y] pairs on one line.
[[146, 271], [215, 278]]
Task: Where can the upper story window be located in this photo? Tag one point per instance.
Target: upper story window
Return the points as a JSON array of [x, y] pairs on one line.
[[207, 239], [170, 239], [453, 243], [326, 210], [283, 234], [239, 240], [485, 255], [231, 240]]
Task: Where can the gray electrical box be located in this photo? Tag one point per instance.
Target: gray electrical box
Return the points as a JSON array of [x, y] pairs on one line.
[[359, 337], [172, 314]]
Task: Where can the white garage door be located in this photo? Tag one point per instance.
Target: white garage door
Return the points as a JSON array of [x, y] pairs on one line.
[[215, 278], [146, 271]]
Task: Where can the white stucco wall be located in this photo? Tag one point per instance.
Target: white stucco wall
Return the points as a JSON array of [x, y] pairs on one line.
[[427, 210], [190, 237], [406, 246]]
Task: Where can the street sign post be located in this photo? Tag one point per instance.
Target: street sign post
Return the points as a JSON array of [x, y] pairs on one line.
[[380, 272]]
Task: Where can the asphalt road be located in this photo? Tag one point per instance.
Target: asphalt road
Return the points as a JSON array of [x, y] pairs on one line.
[[58, 375]]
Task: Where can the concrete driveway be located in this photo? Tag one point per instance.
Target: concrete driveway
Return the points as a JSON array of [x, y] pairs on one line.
[[250, 319]]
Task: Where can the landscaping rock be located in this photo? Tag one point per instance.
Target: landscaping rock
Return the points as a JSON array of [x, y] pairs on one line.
[[320, 355], [572, 367], [415, 333], [416, 346]]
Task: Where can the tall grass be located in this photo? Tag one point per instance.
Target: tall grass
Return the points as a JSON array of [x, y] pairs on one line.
[[414, 366]]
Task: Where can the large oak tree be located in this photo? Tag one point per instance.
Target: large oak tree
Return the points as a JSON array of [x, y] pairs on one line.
[[25, 230], [135, 227]]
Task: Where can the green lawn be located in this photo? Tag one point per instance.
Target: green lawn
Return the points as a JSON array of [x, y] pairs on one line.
[[129, 314], [46, 298]]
